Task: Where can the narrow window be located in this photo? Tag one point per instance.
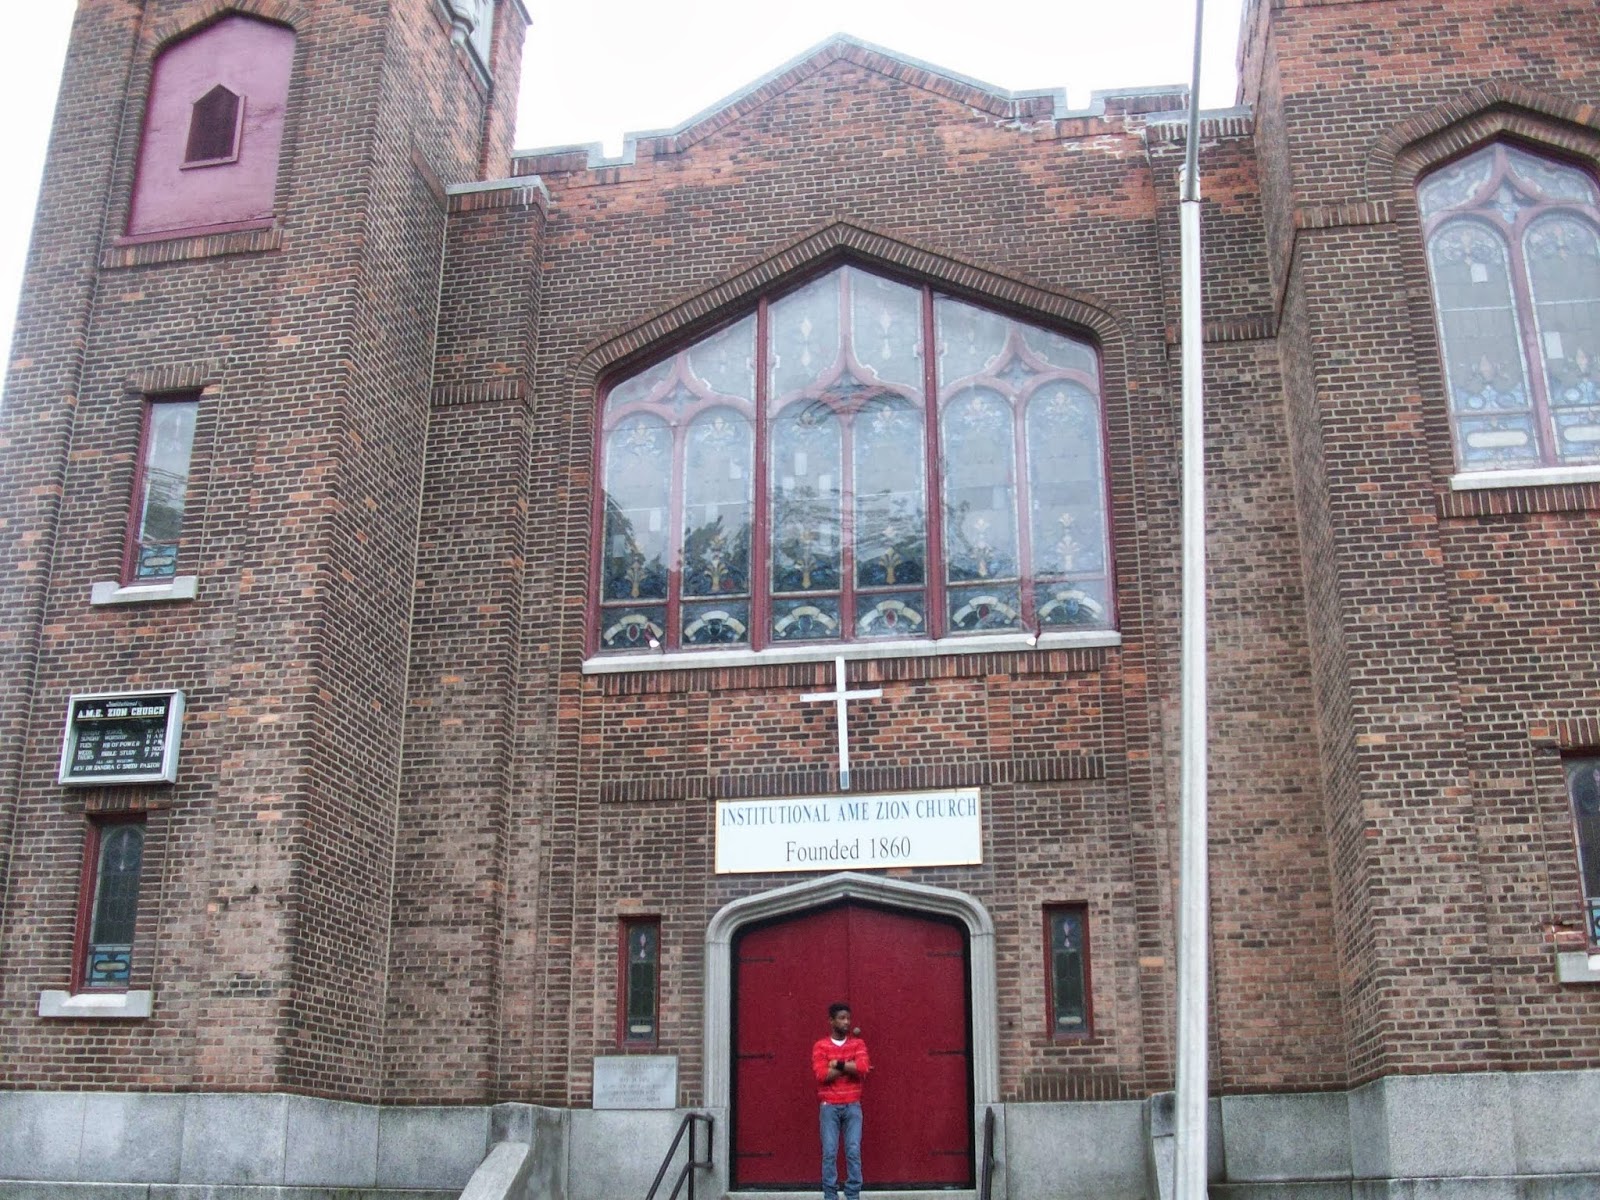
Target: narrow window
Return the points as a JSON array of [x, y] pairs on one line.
[[214, 128], [1583, 786], [113, 856], [160, 483], [641, 980], [1067, 947], [1513, 244]]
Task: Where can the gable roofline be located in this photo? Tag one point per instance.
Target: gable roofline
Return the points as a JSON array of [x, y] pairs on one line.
[[1039, 104]]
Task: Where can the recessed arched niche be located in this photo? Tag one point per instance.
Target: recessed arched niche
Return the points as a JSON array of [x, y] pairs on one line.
[[213, 129]]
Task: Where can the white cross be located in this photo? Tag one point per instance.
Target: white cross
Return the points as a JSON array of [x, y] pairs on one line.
[[841, 697]]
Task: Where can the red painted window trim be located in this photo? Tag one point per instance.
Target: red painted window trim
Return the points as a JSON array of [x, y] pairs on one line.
[[760, 567], [1050, 911], [130, 536], [88, 879], [624, 925]]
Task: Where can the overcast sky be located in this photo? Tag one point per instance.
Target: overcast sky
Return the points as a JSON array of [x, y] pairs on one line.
[[594, 71]]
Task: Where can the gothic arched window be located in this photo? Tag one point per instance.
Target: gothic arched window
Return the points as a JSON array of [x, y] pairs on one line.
[[1513, 244], [770, 482]]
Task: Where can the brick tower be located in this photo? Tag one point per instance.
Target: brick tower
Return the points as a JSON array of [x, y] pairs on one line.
[[239, 247]]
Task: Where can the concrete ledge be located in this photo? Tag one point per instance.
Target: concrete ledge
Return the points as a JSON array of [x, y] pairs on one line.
[[1575, 966], [96, 1006], [182, 587]]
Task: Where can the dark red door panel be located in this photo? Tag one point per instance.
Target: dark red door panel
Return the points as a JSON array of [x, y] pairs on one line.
[[905, 977], [784, 976]]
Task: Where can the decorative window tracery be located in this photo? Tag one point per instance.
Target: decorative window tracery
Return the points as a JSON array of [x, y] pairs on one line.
[[770, 483], [1513, 245]]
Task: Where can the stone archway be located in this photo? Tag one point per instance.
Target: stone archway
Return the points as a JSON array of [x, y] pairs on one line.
[[812, 893]]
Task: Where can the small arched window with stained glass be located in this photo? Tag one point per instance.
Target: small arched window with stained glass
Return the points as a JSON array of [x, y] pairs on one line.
[[1513, 247], [770, 483]]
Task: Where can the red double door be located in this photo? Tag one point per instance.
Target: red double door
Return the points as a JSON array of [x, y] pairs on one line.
[[905, 979]]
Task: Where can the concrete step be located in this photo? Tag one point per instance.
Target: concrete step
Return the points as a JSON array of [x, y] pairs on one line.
[[868, 1193]]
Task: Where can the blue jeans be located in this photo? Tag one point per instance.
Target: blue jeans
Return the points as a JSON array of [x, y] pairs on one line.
[[837, 1117]]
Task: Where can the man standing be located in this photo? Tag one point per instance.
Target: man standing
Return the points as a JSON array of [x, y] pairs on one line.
[[839, 1062]]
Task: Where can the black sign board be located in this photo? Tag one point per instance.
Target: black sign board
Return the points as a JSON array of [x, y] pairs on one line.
[[125, 737]]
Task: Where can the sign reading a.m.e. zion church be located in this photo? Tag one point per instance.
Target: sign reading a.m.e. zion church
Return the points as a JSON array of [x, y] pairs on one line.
[[847, 832], [121, 737]]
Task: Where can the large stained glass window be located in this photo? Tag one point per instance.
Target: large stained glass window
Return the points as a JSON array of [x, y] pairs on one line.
[[1514, 251], [859, 459]]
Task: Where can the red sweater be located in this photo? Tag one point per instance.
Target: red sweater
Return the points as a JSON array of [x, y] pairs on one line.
[[843, 1089]]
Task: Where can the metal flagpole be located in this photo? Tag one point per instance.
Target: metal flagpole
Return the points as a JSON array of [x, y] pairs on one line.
[[1193, 891]]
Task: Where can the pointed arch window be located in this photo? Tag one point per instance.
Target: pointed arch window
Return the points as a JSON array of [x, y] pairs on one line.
[[1513, 247], [214, 125], [770, 483]]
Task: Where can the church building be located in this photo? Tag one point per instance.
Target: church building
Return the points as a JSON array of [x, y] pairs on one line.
[[494, 642]]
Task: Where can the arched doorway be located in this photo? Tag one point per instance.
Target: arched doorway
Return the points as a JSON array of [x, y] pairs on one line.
[[962, 912], [905, 976]]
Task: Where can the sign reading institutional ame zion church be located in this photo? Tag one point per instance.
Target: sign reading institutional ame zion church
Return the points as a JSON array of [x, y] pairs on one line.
[[850, 832]]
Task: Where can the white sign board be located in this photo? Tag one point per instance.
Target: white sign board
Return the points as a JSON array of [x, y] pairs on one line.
[[636, 1081], [850, 832]]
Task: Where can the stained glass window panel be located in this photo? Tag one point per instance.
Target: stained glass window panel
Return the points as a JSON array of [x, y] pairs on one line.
[[633, 627], [812, 619], [1484, 365], [985, 608], [1583, 786], [1069, 992], [718, 467], [890, 511], [804, 336], [717, 624], [115, 906], [1563, 257], [980, 504], [1456, 184], [1065, 484], [164, 485], [970, 339], [638, 505], [726, 362], [806, 474], [886, 327], [890, 615], [641, 985]]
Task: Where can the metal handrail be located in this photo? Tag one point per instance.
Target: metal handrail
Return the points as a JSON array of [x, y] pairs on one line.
[[689, 1123], [986, 1182]]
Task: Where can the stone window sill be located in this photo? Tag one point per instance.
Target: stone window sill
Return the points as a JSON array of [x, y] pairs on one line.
[[183, 587], [1577, 966], [96, 1006], [696, 660], [1467, 481]]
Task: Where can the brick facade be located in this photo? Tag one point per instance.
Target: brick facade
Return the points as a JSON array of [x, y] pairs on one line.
[[409, 821]]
